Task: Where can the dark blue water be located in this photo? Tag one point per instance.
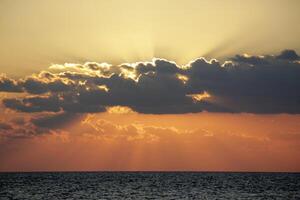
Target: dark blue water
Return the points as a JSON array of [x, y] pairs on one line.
[[148, 185]]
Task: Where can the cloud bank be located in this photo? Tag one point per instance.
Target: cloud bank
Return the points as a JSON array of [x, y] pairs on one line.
[[252, 84]]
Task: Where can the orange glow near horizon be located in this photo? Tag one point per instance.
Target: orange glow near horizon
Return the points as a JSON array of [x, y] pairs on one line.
[[132, 142]]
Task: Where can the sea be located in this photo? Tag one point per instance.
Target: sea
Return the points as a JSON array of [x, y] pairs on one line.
[[149, 185]]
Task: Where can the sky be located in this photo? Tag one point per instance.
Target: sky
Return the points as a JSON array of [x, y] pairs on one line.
[[149, 85]]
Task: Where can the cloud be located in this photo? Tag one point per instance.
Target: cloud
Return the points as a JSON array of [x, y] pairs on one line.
[[288, 55], [35, 86], [50, 104], [20, 128], [56, 121], [104, 129], [34, 104], [244, 83], [5, 126], [9, 85]]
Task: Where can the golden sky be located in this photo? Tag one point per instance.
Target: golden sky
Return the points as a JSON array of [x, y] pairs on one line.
[[35, 34], [194, 85]]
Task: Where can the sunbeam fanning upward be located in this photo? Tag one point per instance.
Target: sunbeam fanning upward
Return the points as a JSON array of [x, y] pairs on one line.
[[193, 91], [129, 31]]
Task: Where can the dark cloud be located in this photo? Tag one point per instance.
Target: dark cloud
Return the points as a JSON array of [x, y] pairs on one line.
[[288, 55], [36, 86], [254, 84], [51, 104], [59, 120], [252, 60], [5, 126], [34, 104], [9, 85]]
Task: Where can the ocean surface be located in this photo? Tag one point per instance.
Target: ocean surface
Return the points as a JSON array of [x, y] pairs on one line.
[[149, 185]]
